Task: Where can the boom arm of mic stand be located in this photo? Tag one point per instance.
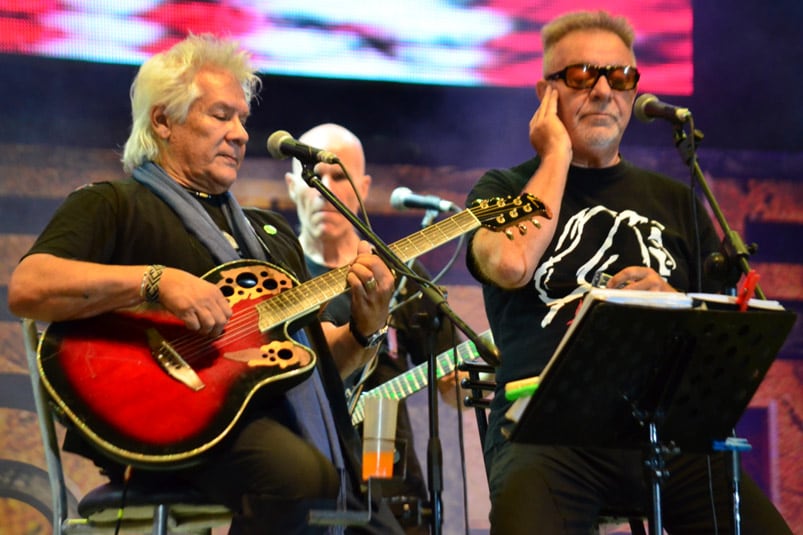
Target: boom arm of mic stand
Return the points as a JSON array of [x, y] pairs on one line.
[[489, 354], [734, 249]]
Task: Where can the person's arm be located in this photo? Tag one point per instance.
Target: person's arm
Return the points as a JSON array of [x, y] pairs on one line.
[[369, 310], [48, 288], [511, 263]]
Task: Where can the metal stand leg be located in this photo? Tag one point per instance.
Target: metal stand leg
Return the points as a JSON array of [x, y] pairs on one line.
[[735, 445], [737, 515], [655, 464]]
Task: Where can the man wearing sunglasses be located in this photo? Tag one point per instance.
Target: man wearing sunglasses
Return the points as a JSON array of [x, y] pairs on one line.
[[609, 218]]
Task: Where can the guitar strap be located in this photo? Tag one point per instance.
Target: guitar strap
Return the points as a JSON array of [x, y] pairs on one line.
[[334, 388]]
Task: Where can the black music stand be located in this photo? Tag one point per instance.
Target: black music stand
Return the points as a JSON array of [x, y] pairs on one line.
[[660, 380]]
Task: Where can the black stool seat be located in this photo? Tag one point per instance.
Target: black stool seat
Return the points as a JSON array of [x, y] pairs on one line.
[[185, 506]]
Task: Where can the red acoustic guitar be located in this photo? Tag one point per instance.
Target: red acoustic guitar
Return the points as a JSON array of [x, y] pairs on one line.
[[149, 392]]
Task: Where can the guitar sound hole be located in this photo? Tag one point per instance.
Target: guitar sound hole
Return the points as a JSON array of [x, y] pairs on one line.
[[270, 283], [285, 354], [227, 291], [247, 280]]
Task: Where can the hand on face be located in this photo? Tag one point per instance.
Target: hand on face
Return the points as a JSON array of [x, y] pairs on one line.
[[594, 117], [548, 135], [371, 284]]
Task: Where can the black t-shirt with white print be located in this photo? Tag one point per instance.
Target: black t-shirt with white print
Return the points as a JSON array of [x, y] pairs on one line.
[[609, 219]]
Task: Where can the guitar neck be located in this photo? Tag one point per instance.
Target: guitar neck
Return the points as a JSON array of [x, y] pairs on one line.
[[298, 301], [416, 378]]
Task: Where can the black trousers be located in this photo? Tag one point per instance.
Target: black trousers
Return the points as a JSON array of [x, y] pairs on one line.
[[559, 490], [271, 478]]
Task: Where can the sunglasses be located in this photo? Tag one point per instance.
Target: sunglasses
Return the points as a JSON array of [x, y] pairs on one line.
[[584, 76]]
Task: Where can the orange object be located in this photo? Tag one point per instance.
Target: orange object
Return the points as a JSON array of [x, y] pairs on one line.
[[377, 464]]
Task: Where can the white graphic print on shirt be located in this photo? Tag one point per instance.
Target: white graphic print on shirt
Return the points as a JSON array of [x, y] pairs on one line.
[[626, 227]]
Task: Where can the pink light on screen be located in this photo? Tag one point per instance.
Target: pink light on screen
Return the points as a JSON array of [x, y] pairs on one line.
[[497, 42], [664, 44]]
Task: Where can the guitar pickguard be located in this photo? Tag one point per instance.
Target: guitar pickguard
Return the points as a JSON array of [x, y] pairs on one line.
[[240, 281]]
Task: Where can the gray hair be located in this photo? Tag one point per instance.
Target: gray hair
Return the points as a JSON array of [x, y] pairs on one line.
[[168, 79], [558, 28]]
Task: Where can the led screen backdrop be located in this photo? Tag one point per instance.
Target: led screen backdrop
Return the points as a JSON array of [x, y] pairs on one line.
[[447, 42]]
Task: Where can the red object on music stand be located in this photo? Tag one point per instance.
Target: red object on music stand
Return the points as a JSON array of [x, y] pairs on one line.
[[747, 290]]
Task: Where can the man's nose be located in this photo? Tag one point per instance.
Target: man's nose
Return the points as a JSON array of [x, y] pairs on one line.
[[602, 88], [238, 133]]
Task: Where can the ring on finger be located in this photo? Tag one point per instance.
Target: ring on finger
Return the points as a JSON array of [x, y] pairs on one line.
[[370, 284]]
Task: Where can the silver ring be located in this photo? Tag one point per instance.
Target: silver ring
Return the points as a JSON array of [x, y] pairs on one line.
[[370, 284]]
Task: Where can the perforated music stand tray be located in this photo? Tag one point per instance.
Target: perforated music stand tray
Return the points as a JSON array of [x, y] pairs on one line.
[[690, 371], [650, 378]]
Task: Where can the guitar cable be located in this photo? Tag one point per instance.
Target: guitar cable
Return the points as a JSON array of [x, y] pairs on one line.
[[126, 480], [354, 393]]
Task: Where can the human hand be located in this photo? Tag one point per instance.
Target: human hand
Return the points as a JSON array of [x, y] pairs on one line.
[[371, 284], [195, 301], [451, 391], [639, 278], [548, 134]]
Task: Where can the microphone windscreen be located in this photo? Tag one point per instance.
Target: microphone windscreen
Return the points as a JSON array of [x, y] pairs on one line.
[[275, 144], [640, 107], [398, 196]]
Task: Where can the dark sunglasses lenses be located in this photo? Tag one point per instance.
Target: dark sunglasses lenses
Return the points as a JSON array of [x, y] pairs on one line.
[[586, 76]]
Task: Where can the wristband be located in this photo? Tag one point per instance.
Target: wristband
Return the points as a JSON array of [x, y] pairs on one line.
[[149, 288], [372, 340]]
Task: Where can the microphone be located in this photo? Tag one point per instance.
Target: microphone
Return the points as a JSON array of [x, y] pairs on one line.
[[281, 145], [648, 107], [403, 198]]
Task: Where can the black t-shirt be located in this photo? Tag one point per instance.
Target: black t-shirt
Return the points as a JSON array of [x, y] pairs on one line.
[[609, 219], [124, 223]]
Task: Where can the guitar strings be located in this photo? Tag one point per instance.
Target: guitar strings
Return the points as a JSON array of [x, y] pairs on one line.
[[241, 326], [193, 347]]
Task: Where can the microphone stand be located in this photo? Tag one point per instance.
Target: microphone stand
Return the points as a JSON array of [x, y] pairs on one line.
[[489, 354], [731, 262], [434, 449], [727, 266]]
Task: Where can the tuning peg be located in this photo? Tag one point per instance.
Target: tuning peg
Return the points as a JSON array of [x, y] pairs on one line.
[[522, 229], [509, 234], [536, 223]]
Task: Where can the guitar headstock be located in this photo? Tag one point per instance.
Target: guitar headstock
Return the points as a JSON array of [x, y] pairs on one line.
[[501, 213]]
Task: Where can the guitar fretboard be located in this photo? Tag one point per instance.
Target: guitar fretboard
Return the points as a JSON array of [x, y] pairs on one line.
[[417, 378], [295, 302]]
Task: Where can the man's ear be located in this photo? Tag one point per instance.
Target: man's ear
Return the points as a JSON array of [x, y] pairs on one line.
[[366, 186], [160, 122], [290, 180]]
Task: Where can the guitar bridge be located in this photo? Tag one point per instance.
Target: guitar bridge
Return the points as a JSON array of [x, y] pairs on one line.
[[171, 362]]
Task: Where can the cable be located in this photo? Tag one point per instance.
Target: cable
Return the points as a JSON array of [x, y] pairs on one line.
[[126, 480], [711, 494]]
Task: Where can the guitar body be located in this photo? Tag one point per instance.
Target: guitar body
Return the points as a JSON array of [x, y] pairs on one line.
[[113, 380]]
